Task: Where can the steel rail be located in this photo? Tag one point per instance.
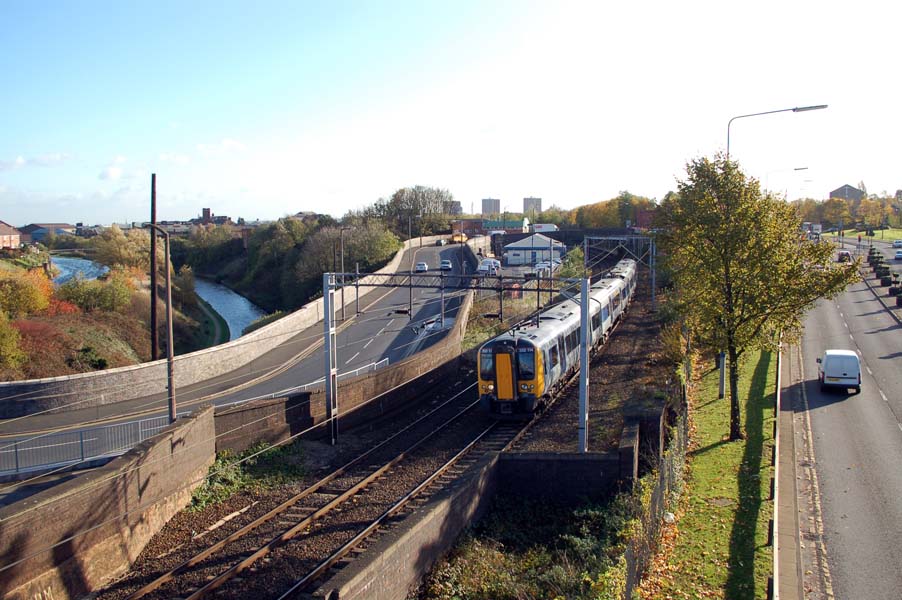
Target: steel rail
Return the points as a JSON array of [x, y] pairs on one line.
[[286, 505], [298, 528], [378, 521]]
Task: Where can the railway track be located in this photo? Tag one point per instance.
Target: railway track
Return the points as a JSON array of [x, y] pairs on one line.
[[321, 528]]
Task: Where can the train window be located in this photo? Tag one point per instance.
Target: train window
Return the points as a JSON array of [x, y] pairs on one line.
[[526, 364], [554, 357], [605, 313], [486, 365], [596, 320], [617, 299]]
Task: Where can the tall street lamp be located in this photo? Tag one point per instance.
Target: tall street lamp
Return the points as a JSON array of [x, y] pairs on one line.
[[170, 349], [770, 112]]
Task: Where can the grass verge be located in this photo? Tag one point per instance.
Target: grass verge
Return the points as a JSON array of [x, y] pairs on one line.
[[227, 476], [718, 548], [530, 549]]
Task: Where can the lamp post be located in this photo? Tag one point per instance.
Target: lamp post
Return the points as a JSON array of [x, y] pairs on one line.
[[769, 112], [170, 346]]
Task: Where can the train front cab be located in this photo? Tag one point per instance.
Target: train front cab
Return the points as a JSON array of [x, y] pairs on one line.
[[509, 378]]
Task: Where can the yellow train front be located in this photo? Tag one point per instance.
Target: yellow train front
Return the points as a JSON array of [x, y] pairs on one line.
[[511, 377]]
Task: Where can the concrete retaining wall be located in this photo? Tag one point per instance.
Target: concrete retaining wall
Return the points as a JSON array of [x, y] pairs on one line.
[[240, 427], [76, 536], [361, 399], [396, 562], [566, 478], [19, 398]]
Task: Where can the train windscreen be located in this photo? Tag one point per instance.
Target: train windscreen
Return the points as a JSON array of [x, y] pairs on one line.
[[526, 363], [486, 364]]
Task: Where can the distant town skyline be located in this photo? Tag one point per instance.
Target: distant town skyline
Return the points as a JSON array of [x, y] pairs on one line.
[[285, 106]]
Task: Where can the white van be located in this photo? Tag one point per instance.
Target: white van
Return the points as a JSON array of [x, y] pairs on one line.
[[839, 368]]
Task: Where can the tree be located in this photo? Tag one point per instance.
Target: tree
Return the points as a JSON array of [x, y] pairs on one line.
[[744, 273], [24, 293], [836, 211], [10, 354], [116, 248]]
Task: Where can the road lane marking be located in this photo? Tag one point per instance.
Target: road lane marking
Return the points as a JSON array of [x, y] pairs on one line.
[[882, 395], [851, 338], [868, 369], [352, 358], [368, 343]]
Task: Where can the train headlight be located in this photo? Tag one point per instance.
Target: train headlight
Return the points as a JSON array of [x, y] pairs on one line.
[[523, 386], [490, 388]]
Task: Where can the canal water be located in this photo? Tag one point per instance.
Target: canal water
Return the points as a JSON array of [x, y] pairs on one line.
[[70, 267], [238, 311]]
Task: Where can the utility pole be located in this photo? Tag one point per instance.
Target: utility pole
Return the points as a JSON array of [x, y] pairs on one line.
[[170, 341], [584, 367], [331, 351], [154, 345], [501, 297]]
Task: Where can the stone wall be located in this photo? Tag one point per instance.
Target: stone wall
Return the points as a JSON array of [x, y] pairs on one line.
[[78, 535], [19, 398]]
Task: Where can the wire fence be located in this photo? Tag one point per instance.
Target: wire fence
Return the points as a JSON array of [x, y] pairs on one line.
[[73, 447], [667, 485]]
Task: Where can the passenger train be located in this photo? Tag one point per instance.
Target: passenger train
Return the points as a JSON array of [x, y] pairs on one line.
[[520, 370]]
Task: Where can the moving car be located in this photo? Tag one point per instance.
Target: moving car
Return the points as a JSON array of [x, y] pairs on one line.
[[489, 266], [441, 242], [897, 243], [839, 369], [844, 256], [446, 265], [421, 267], [898, 254]]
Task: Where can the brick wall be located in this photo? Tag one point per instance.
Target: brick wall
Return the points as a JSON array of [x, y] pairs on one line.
[[76, 536]]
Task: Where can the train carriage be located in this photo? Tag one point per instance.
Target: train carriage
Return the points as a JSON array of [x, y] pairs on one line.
[[520, 370]]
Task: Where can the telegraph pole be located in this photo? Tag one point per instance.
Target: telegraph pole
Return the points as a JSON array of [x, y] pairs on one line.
[[154, 346], [584, 367]]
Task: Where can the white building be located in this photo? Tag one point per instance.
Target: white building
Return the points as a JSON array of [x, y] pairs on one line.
[[533, 249]]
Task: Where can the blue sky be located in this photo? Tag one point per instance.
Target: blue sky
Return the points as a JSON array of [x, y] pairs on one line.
[[262, 109]]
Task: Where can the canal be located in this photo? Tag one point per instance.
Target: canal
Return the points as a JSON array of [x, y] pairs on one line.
[[237, 311]]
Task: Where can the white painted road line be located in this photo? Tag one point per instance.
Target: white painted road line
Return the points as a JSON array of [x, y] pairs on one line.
[[882, 395], [352, 358], [368, 343], [868, 369]]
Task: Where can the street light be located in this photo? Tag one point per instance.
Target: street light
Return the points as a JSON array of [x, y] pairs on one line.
[[170, 345], [769, 112]]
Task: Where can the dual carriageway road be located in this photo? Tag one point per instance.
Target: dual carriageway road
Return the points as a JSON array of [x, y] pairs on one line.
[[381, 331], [849, 448]]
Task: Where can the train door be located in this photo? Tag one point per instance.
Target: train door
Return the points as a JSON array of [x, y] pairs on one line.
[[505, 383]]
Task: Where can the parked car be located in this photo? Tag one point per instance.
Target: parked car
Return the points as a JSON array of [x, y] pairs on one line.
[[898, 254], [839, 369], [844, 256], [441, 242], [421, 267], [446, 265], [897, 243]]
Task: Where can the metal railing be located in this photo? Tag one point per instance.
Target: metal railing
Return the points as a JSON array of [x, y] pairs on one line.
[[54, 450], [72, 447]]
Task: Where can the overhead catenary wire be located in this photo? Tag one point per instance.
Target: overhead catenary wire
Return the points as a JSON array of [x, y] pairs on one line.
[[48, 393], [420, 339], [203, 478], [150, 403]]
